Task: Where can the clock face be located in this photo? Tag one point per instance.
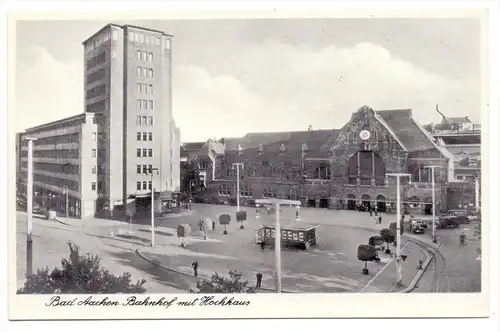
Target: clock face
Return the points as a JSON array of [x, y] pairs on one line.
[[364, 134]]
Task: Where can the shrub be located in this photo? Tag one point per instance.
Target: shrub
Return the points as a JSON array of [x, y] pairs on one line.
[[232, 201], [79, 275], [220, 284], [388, 237]]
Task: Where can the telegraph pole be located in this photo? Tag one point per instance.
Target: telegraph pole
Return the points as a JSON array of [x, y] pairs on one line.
[[432, 167], [152, 207], [237, 166], [398, 223], [29, 238]]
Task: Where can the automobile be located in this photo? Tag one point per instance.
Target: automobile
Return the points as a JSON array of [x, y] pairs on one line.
[[36, 208], [447, 222], [418, 229], [461, 216], [419, 222]]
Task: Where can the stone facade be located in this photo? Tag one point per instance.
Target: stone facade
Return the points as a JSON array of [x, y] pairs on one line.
[[337, 169]]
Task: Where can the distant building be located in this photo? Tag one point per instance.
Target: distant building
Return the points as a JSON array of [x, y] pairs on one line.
[[339, 168]]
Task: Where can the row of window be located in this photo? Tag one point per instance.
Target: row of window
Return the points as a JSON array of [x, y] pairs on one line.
[[144, 185], [246, 191], [144, 72], [144, 56], [144, 169], [141, 136], [96, 107], [144, 88], [144, 121], [143, 104], [96, 91], [97, 60], [140, 38], [96, 76], [145, 153]]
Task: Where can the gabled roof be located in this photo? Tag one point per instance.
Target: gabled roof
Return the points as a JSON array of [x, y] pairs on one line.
[[406, 130]]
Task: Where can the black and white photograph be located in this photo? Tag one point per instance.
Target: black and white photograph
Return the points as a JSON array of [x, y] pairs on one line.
[[248, 156]]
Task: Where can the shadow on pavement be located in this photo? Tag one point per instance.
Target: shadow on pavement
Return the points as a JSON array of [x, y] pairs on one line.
[[156, 232], [171, 279]]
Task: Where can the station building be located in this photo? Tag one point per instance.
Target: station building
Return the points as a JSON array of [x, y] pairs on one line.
[[339, 169]]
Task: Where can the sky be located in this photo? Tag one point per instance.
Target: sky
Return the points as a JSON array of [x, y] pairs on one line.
[[231, 77]]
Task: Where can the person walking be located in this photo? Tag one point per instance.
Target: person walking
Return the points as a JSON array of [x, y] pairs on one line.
[[380, 220], [262, 245], [259, 280], [195, 269]]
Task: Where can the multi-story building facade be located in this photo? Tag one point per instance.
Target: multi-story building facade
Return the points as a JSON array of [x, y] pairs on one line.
[[128, 121], [341, 168], [128, 84], [64, 158]]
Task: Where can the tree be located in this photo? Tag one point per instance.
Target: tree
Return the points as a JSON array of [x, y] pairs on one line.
[[389, 237], [367, 253], [79, 275], [477, 232], [220, 284], [189, 175]]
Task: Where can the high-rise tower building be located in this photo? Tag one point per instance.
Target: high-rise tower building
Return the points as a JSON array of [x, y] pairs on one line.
[[128, 85]]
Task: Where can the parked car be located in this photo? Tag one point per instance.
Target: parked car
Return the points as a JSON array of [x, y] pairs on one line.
[[447, 222], [461, 216], [419, 222], [417, 229], [36, 208]]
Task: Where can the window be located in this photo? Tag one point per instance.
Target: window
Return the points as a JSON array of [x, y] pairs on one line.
[[136, 37], [138, 120], [131, 36], [150, 88], [139, 153], [150, 153], [146, 38], [139, 136], [93, 186], [150, 72], [139, 71], [144, 120], [167, 44], [144, 72], [138, 185], [245, 191], [150, 185], [151, 105], [94, 137], [144, 136], [150, 137], [158, 41], [144, 104], [138, 169], [144, 153], [150, 168], [94, 153], [94, 169], [138, 55], [141, 38], [144, 185], [460, 177], [139, 87], [224, 190], [144, 56], [144, 169], [150, 56], [150, 123]]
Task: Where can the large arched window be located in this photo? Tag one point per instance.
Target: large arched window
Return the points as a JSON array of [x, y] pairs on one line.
[[322, 172], [364, 167]]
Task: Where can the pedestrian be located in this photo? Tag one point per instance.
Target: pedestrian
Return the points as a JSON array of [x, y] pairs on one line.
[[461, 239], [380, 220], [420, 262], [371, 213], [195, 268], [297, 214], [262, 245], [259, 279], [375, 210]]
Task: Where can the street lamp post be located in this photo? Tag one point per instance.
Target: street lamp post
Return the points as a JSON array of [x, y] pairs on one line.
[[29, 239], [237, 166], [398, 223], [432, 167], [277, 231], [152, 207], [66, 192]]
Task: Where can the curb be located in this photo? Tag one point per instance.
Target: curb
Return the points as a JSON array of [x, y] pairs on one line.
[[430, 257], [157, 264]]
